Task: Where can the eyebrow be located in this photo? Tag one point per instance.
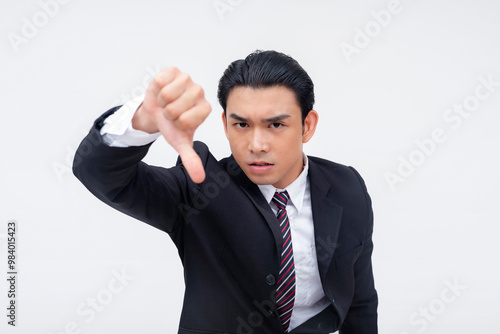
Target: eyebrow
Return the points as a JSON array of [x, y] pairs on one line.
[[267, 120]]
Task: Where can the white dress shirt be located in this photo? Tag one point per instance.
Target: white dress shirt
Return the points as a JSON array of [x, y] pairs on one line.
[[117, 130], [310, 298]]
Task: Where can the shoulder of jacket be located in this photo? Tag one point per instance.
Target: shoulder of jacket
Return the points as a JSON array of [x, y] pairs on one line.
[[327, 164]]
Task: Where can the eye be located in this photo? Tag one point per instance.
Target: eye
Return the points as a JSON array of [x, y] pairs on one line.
[[276, 125], [241, 125]]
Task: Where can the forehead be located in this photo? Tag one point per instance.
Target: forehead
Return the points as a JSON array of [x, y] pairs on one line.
[[260, 103]]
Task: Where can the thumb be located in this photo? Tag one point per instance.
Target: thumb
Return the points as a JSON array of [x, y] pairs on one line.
[[192, 162], [182, 142]]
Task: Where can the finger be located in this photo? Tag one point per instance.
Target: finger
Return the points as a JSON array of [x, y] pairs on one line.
[[151, 97], [192, 118], [188, 99], [163, 78], [174, 89]]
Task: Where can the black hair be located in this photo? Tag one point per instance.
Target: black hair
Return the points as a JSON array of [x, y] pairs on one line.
[[264, 69]]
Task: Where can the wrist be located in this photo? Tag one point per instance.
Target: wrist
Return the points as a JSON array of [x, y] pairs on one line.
[[143, 122]]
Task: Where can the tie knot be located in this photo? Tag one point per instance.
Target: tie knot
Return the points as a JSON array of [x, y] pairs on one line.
[[280, 199]]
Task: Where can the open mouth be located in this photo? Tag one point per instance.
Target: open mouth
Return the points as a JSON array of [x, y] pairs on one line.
[[260, 167], [260, 164]]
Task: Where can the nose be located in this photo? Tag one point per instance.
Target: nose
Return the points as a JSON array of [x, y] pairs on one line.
[[258, 142]]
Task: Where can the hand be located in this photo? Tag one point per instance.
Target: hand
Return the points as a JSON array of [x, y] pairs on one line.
[[175, 106]]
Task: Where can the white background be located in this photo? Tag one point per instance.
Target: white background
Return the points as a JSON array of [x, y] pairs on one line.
[[439, 225]]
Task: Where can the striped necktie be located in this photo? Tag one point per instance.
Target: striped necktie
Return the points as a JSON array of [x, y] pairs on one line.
[[285, 292]]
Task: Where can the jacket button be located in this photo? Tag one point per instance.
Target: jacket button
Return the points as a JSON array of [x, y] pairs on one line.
[[268, 310], [270, 279]]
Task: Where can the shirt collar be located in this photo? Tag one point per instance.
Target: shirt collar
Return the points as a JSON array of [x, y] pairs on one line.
[[296, 189]]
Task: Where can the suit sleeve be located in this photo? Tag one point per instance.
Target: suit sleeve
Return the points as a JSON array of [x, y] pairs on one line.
[[118, 177], [361, 317]]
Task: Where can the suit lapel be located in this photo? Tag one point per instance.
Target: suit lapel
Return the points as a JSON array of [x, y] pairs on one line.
[[258, 200], [327, 217], [327, 214]]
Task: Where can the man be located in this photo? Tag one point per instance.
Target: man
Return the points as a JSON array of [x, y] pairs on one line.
[[271, 241]]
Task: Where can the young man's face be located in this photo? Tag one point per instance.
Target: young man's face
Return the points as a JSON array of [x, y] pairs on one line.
[[265, 132]]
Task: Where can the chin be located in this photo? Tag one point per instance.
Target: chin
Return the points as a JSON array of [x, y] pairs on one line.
[[261, 180]]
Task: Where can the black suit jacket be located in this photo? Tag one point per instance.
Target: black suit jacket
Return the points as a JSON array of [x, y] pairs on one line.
[[228, 238]]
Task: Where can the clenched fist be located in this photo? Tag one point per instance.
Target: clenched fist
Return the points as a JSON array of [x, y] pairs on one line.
[[175, 106]]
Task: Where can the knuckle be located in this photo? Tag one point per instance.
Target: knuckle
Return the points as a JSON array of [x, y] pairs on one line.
[[164, 76], [158, 80], [184, 78], [206, 107], [171, 111], [198, 91], [165, 95], [173, 70], [185, 122]]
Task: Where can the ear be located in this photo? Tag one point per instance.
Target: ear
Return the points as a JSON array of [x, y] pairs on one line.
[[225, 123], [309, 126]]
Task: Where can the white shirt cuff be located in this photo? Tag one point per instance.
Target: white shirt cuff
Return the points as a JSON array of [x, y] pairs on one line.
[[117, 130]]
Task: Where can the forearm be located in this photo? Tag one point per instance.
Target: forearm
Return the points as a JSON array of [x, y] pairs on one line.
[[117, 177], [110, 165], [103, 169]]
